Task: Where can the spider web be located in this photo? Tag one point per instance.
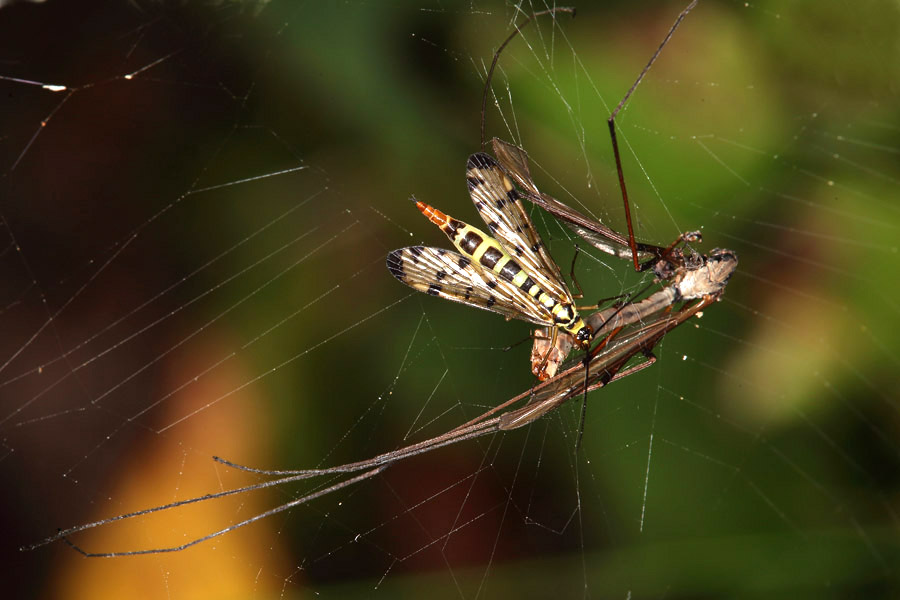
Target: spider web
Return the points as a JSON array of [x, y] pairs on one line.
[[196, 206]]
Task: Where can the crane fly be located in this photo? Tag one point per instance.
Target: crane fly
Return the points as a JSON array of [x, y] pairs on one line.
[[628, 331], [703, 280]]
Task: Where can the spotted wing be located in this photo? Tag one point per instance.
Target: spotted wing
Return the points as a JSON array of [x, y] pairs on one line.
[[515, 161], [450, 275], [500, 206]]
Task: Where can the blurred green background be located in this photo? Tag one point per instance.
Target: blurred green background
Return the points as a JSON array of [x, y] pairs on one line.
[[194, 266]]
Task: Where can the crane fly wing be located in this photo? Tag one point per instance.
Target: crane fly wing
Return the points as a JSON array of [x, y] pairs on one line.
[[515, 161]]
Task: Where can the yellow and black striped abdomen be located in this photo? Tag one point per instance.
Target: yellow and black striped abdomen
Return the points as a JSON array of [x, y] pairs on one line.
[[487, 252]]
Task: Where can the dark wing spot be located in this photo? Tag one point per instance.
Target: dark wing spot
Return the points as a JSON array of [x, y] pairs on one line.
[[518, 250], [469, 291], [441, 252], [536, 247], [433, 289], [480, 160], [395, 264], [463, 262], [500, 202], [493, 227], [415, 252], [491, 301], [512, 195], [479, 206], [440, 275], [492, 284], [474, 181]]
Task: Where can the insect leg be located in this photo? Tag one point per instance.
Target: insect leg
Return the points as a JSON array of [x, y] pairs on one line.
[[612, 132]]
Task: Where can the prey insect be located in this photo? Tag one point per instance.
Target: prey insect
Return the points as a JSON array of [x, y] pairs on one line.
[[703, 280], [626, 332], [507, 271]]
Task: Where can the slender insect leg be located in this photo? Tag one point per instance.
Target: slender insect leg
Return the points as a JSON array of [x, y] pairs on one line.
[[612, 132], [620, 298], [688, 237], [600, 346], [515, 32], [522, 341], [606, 379], [580, 293], [650, 359], [587, 372], [588, 355]]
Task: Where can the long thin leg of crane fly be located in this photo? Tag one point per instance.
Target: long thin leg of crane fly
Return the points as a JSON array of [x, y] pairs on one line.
[[372, 467], [629, 299], [268, 513], [612, 131], [519, 343], [587, 372], [542, 385], [475, 428], [580, 293], [529, 413], [62, 533], [617, 300], [515, 32], [588, 355], [532, 412], [611, 122]]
